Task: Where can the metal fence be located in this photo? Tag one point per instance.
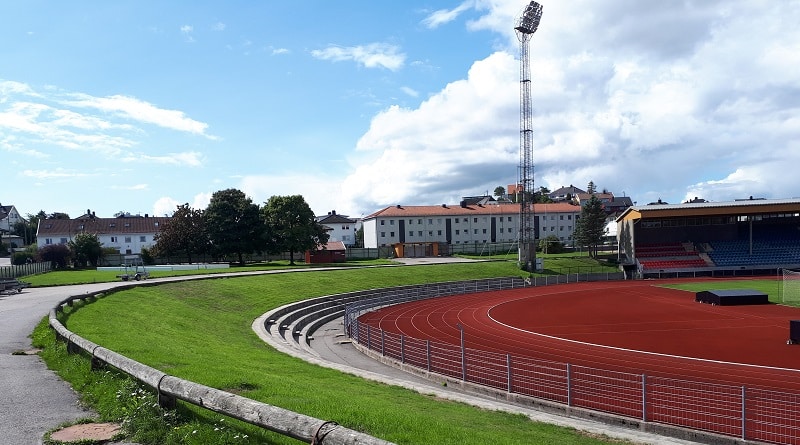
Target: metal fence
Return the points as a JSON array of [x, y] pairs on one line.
[[22, 270], [746, 413]]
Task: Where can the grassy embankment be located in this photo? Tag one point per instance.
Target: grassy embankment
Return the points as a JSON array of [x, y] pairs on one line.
[[201, 331]]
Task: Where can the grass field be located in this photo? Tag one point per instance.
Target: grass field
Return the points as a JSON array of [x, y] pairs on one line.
[[201, 331]]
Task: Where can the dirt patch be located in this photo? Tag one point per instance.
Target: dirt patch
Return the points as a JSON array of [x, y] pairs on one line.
[[87, 431]]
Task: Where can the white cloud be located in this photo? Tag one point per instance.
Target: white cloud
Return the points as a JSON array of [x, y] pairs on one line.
[[166, 206], [138, 110], [619, 99], [58, 173], [443, 16], [410, 91], [374, 55], [187, 159], [219, 26]]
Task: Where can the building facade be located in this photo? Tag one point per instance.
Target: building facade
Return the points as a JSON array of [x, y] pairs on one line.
[[128, 235], [339, 227], [465, 224]]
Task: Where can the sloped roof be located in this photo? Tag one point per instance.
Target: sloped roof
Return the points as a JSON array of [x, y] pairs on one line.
[[101, 226], [334, 246], [334, 218]]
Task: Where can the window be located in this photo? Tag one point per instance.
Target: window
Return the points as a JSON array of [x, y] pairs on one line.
[[509, 230], [383, 234], [430, 220], [419, 221], [475, 231], [410, 233], [456, 220], [63, 241], [382, 222], [127, 239], [391, 222], [430, 232], [48, 241], [457, 232], [410, 221], [440, 233], [391, 234], [127, 224], [484, 231], [80, 227], [561, 217], [112, 224], [113, 239], [156, 223], [419, 233], [142, 239], [474, 219], [509, 219]]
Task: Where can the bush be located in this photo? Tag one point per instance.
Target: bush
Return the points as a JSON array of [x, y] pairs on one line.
[[147, 257], [19, 258], [57, 254]]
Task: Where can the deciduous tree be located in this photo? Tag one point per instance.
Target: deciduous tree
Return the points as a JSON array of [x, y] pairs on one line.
[[292, 226], [86, 249], [234, 224], [184, 233]]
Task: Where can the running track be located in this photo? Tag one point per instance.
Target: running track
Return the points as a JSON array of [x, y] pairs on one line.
[[634, 327]]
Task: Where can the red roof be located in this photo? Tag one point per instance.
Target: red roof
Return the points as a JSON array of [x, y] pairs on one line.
[[101, 226]]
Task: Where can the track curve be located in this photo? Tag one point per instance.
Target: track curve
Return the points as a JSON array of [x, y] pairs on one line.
[[635, 327]]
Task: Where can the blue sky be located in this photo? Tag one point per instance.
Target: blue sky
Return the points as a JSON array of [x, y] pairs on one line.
[[356, 105]]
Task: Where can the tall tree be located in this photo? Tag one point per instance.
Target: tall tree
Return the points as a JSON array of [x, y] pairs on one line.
[[292, 226], [499, 191], [591, 189], [542, 196], [184, 233], [590, 227], [234, 224]]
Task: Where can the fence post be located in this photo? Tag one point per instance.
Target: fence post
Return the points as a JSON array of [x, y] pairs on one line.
[[644, 397], [744, 412], [569, 384], [463, 356], [428, 353], [508, 367]]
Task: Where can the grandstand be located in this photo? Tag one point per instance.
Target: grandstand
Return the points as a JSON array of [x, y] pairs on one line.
[[748, 237]]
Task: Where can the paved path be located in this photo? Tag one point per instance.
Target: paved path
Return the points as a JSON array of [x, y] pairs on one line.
[[34, 400]]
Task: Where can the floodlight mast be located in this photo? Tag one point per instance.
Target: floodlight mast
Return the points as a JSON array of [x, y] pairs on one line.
[[526, 25]]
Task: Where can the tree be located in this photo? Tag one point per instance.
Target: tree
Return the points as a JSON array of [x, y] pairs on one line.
[[292, 226], [551, 244], [57, 254], [591, 189], [234, 224], [57, 215], [590, 227], [86, 249], [184, 233], [542, 196], [499, 191]]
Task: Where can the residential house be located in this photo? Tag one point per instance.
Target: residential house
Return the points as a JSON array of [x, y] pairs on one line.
[[128, 234], [339, 227], [8, 217], [565, 193]]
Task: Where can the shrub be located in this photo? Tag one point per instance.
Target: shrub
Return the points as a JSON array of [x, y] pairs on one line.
[[19, 258]]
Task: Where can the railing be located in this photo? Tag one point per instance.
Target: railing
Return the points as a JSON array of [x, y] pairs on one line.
[[22, 270], [741, 412], [170, 389]]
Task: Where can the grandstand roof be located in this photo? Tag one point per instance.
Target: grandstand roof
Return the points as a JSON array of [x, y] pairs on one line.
[[743, 207], [458, 210]]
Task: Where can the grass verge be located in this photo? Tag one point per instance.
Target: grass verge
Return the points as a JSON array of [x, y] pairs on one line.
[[201, 331]]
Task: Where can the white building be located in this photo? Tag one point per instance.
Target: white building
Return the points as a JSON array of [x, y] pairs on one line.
[[339, 227], [8, 217], [128, 235], [464, 224]]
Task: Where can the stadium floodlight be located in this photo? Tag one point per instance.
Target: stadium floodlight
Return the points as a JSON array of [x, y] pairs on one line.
[[526, 25], [528, 22]]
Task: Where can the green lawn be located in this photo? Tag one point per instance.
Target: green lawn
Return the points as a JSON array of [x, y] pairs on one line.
[[201, 331]]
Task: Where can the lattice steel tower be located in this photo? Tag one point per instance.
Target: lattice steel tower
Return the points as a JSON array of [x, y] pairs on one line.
[[527, 24]]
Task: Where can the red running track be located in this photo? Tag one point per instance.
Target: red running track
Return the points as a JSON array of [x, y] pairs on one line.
[[635, 327]]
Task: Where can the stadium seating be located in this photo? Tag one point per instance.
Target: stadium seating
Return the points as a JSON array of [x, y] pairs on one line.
[[669, 256]]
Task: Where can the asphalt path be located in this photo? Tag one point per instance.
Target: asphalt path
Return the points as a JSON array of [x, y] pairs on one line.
[[34, 400]]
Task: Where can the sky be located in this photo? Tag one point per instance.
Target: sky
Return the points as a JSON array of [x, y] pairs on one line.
[[141, 106]]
